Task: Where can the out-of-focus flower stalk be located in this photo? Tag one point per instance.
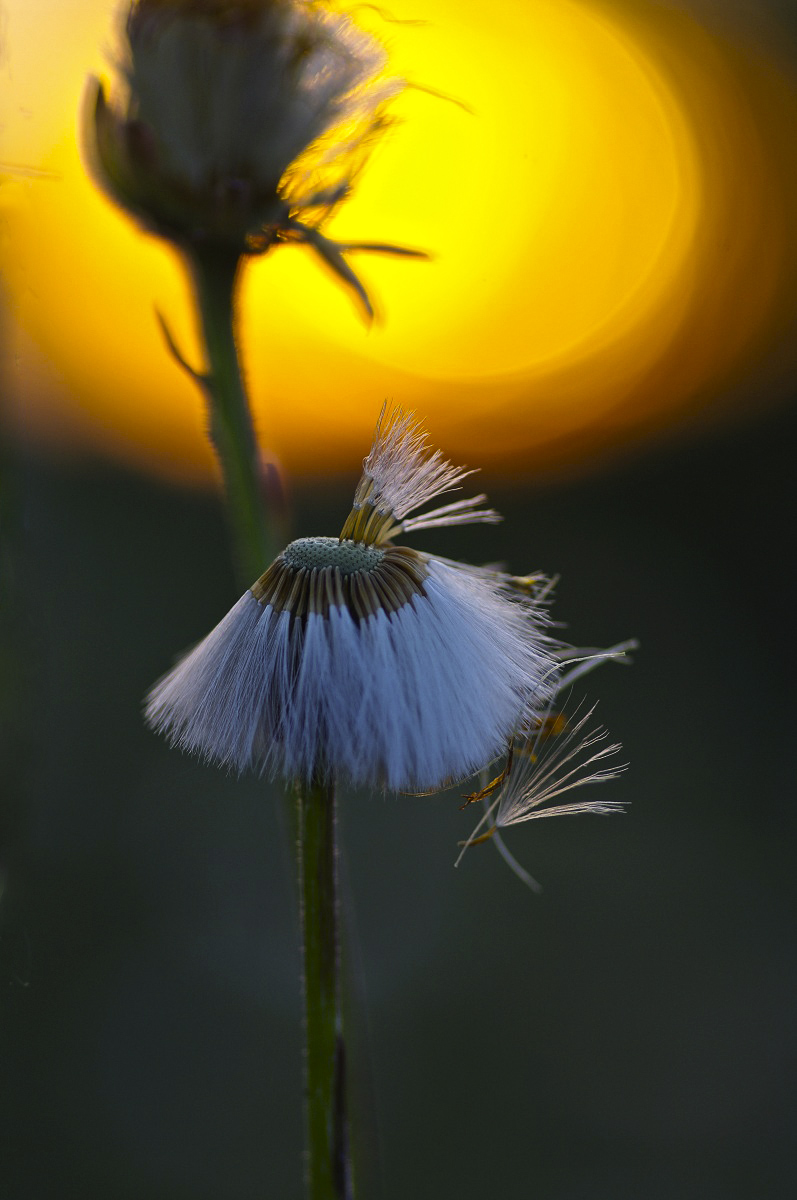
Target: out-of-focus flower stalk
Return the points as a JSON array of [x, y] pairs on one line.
[[231, 127], [215, 270]]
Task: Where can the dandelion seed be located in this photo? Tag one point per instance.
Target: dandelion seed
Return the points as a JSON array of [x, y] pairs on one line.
[[551, 765], [359, 657], [582, 661], [552, 758]]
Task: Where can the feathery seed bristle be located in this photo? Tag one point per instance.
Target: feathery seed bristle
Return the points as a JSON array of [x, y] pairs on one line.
[[401, 473]]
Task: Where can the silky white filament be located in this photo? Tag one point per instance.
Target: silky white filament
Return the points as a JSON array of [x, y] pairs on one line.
[[546, 764], [402, 472]]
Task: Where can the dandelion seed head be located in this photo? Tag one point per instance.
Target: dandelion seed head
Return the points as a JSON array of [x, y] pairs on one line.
[[355, 656]]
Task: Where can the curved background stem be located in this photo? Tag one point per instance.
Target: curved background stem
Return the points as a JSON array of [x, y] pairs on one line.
[[215, 271]]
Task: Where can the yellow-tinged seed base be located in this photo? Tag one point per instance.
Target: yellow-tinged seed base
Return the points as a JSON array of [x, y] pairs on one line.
[[366, 522], [314, 574]]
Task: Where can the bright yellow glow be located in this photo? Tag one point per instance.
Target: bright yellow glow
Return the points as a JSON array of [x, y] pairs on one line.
[[606, 226]]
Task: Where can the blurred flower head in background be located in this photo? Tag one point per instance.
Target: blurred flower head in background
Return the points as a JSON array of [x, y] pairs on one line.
[[229, 117]]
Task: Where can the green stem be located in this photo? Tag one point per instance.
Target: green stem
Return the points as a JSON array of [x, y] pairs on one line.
[[215, 270], [328, 1168]]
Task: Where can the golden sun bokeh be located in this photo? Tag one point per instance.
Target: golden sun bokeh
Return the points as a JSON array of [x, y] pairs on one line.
[[607, 224]]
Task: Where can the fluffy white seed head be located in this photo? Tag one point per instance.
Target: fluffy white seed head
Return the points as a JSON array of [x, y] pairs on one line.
[[352, 656], [406, 695]]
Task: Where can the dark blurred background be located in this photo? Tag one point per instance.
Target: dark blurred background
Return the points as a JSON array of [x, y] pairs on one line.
[[627, 1033]]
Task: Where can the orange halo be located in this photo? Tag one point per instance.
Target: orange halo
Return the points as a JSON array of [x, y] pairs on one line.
[[607, 227]]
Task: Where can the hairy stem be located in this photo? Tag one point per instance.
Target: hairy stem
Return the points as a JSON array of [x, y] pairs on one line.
[[328, 1167], [215, 270]]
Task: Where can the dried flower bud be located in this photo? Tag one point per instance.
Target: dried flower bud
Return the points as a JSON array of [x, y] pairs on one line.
[[231, 119]]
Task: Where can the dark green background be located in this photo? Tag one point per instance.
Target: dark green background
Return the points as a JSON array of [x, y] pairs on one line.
[[629, 1033]]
